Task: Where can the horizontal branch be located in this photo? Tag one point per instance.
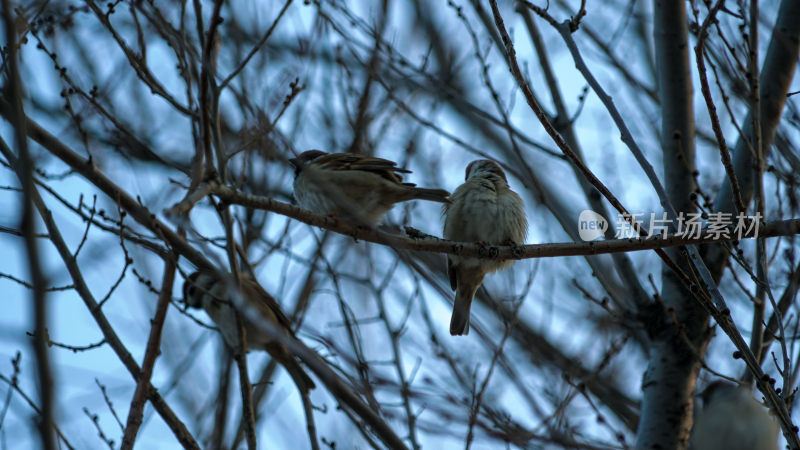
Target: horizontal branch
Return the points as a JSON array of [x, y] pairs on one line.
[[426, 243]]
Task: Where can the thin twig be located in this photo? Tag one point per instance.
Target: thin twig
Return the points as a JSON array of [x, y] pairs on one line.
[[151, 353], [724, 153]]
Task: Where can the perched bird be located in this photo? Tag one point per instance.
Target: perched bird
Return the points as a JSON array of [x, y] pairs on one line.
[[205, 290], [732, 419], [487, 211], [359, 188]]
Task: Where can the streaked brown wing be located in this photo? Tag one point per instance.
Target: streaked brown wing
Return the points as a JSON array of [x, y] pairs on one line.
[[353, 161], [254, 291]]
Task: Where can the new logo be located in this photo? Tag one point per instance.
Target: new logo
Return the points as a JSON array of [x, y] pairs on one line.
[[591, 226]]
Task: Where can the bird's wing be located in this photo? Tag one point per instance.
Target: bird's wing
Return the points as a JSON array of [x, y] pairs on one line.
[[352, 161], [266, 302]]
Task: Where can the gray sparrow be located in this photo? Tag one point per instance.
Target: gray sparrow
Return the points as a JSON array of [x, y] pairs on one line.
[[487, 211], [205, 290], [356, 187], [731, 419]]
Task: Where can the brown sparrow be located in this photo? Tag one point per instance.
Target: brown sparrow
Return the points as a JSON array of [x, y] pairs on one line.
[[357, 187], [732, 419], [484, 210], [205, 290]]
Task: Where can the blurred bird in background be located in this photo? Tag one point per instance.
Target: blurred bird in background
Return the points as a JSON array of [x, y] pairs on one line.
[[205, 290], [731, 419], [487, 211]]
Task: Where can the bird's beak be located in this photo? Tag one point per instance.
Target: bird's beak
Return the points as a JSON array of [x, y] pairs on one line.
[[295, 162]]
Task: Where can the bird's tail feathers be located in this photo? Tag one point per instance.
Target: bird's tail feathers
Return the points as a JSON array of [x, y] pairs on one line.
[[434, 195], [299, 376], [459, 322]]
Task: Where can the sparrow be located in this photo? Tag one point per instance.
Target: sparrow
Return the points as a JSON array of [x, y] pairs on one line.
[[205, 290], [731, 419], [487, 211], [357, 187]]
